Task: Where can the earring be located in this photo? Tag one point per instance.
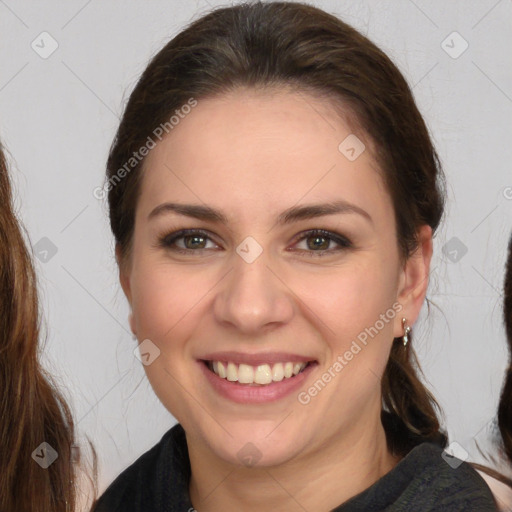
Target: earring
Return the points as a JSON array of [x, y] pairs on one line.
[[407, 330]]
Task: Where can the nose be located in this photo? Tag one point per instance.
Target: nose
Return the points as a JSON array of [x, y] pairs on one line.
[[253, 299]]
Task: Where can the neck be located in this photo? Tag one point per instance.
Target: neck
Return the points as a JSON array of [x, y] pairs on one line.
[[317, 481]]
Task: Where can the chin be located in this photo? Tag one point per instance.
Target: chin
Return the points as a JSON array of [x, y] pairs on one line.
[[252, 449]]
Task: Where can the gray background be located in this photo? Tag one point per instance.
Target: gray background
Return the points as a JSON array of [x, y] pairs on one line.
[[58, 116]]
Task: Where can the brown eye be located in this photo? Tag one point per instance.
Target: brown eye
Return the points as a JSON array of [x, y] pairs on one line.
[[194, 241], [319, 240], [185, 241]]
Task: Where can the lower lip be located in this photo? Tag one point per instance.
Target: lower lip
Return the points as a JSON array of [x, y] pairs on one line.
[[247, 394]]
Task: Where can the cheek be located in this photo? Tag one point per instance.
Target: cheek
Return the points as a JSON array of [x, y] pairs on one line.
[[164, 301], [167, 308], [169, 302], [349, 304], [350, 299]]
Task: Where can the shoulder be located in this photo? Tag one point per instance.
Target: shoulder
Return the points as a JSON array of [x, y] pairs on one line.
[[447, 483], [137, 487], [426, 479], [501, 491]]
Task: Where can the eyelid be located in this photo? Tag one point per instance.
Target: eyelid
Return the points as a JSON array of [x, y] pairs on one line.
[[171, 237], [336, 237], [166, 241]]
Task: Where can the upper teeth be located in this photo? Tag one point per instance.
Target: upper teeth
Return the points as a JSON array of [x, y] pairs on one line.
[[261, 374]]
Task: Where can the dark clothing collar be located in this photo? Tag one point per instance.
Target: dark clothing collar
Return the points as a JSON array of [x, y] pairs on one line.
[[425, 480]]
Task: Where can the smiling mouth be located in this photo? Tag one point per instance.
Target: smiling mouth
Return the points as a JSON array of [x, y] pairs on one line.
[[260, 375]]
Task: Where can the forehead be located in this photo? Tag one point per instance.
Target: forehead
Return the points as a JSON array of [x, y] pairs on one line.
[[253, 152]]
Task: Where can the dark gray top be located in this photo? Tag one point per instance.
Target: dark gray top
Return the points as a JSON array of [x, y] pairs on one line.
[[422, 481]]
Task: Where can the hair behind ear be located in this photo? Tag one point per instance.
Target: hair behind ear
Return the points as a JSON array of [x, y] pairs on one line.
[[409, 416]]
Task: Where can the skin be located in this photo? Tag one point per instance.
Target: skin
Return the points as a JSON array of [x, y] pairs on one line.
[[252, 155]]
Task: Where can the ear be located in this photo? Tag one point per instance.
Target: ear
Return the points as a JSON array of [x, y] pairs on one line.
[[124, 280], [414, 279]]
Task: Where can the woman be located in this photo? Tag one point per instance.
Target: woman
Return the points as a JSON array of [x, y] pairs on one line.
[[288, 364], [37, 432]]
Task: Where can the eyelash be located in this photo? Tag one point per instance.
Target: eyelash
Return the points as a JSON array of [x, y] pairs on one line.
[[169, 239]]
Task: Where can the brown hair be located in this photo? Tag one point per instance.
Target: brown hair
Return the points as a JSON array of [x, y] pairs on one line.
[[32, 410], [505, 404], [271, 44], [504, 416]]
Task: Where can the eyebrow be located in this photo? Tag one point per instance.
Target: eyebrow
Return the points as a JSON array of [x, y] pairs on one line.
[[293, 214]]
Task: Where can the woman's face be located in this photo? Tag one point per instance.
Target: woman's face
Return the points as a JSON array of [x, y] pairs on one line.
[[256, 283]]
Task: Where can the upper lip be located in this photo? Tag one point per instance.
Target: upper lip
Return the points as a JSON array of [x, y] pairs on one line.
[[256, 359]]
